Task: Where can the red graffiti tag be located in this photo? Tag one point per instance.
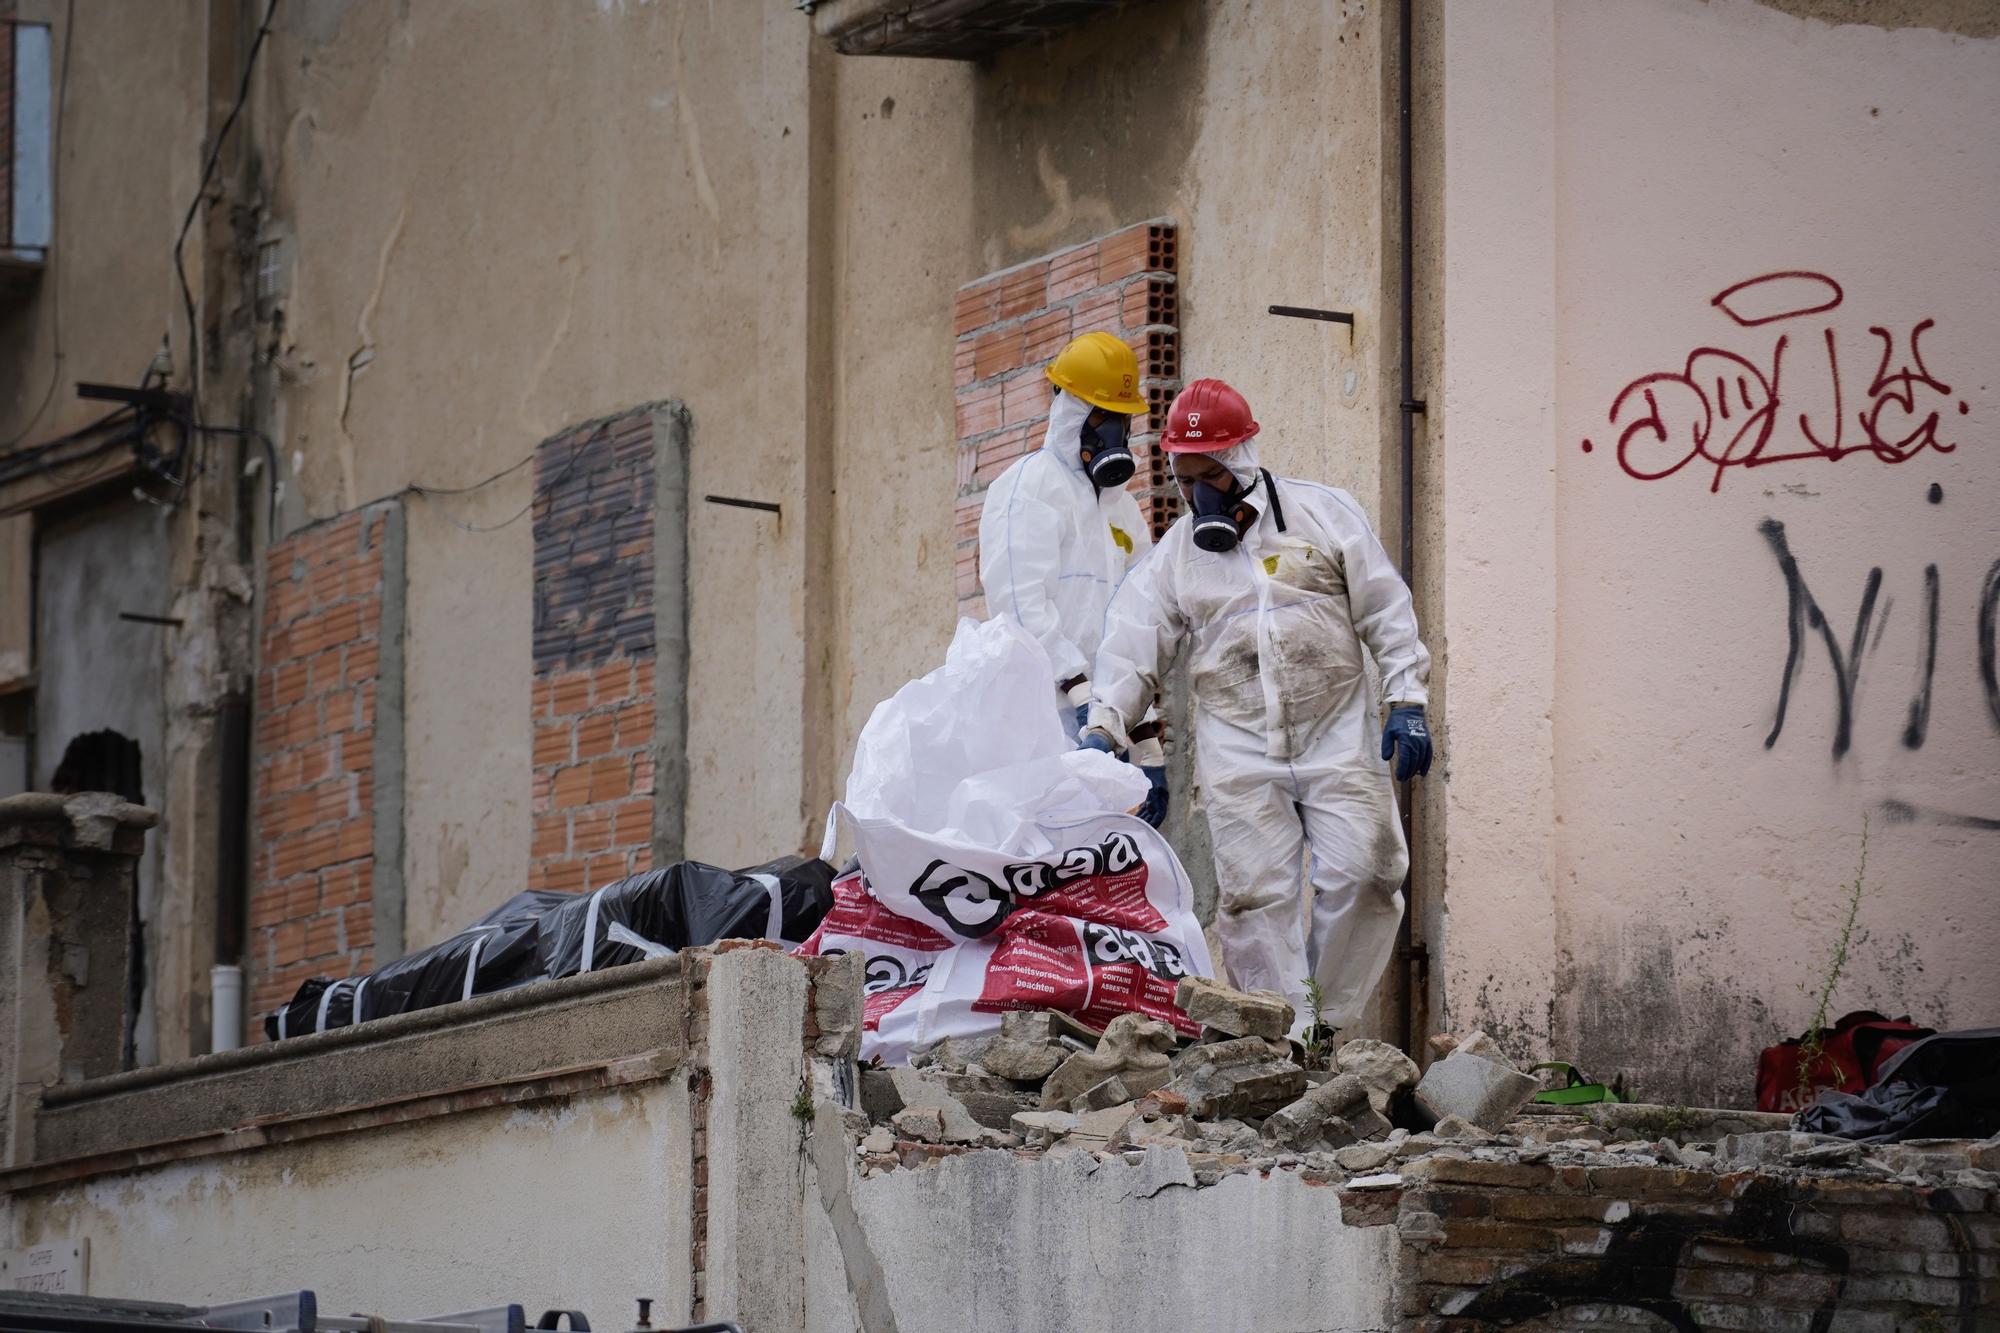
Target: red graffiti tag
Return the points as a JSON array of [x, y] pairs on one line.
[[1729, 411]]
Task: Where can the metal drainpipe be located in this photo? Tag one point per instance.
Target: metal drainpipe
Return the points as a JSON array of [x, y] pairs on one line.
[[232, 874], [1413, 955]]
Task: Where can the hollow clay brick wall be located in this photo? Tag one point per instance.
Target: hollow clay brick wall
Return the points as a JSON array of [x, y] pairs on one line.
[[1506, 1244], [312, 889], [1010, 325], [594, 655]]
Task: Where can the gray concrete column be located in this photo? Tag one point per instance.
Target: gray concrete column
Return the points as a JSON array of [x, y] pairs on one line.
[[757, 1123], [68, 875]]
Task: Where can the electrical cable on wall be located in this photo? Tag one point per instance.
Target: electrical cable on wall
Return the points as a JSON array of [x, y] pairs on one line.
[[535, 493], [15, 466], [187, 223]]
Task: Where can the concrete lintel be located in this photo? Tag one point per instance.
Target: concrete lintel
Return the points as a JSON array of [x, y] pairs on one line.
[[516, 1037]]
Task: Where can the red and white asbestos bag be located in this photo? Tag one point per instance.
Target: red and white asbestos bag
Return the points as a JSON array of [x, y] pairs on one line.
[[999, 868]]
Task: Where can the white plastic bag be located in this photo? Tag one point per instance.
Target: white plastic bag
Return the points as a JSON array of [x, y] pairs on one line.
[[979, 825]]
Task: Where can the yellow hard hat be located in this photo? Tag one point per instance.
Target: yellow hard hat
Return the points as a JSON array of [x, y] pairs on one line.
[[1102, 371]]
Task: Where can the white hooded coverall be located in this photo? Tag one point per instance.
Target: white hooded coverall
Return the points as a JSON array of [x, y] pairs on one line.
[[1287, 747], [1052, 548]]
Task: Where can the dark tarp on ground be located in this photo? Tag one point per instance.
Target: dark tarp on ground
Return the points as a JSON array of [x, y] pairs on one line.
[[539, 935], [1946, 1086]]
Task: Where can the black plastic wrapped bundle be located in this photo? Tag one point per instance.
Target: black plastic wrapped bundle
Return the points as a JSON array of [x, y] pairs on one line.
[[536, 936]]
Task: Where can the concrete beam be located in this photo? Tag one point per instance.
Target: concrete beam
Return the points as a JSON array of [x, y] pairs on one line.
[[755, 1225], [515, 1037], [670, 632], [388, 901]]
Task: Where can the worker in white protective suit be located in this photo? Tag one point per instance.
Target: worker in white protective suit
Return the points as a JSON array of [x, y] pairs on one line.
[[1274, 586], [1059, 531]]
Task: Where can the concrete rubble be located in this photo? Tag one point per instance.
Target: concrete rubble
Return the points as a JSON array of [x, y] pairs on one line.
[[1240, 1099], [1234, 1013], [1235, 1104], [1475, 1083], [1130, 1060]]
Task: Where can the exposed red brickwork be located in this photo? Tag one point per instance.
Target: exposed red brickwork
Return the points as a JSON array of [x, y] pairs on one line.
[[594, 656], [1489, 1244], [1011, 324], [312, 896], [700, 1094], [593, 780]]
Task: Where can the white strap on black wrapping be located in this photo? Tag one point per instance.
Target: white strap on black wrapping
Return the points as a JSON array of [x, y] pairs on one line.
[[326, 1003], [590, 931], [472, 966], [618, 933], [355, 1015], [774, 923]]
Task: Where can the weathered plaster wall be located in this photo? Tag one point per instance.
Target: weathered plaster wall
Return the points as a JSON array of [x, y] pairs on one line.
[[991, 1241], [606, 207], [1257, 129], [1658, 895], [580, 1205], [903, 226], [130, 151]]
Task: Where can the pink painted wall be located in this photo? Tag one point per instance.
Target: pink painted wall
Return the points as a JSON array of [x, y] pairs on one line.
[[1644, 852]]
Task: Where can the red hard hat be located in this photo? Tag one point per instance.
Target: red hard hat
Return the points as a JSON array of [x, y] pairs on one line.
[[1207, 417]]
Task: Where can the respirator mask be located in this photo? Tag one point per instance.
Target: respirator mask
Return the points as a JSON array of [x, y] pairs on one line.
[[1221, 517], [1107, 458]]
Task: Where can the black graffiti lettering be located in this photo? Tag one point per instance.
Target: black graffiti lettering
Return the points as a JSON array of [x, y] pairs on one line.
[[1802, 611], [1989, 607], [1920, 707], [1641, 1267], [1121, 853]]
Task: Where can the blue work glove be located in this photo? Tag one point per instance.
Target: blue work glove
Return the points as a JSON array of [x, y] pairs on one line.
[[1406, 737], [1154, 811], [1082, 717], [1095, 740]]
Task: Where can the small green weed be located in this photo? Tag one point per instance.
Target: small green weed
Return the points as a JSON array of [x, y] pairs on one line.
[[1318, 1037], [1811, 1050]]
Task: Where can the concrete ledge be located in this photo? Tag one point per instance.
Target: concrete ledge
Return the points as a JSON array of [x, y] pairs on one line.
[[1683, 1124], [95, 820], [621, 1025]]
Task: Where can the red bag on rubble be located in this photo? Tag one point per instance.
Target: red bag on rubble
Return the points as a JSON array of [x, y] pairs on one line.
[[1851, 1051]]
